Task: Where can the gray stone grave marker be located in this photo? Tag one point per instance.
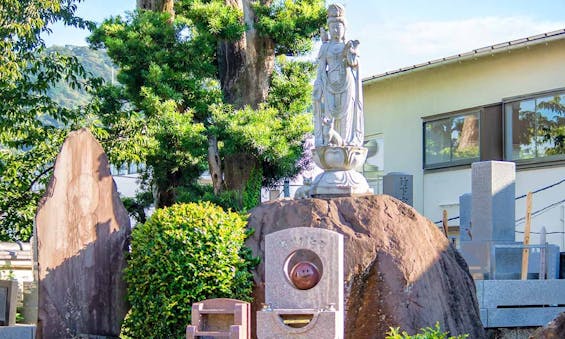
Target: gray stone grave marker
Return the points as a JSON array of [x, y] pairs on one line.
[[303, 285], [8, 300], [492, 213], [400, 186]]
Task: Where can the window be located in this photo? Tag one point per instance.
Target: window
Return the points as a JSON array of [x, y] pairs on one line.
[[535, 128], [451, 140]]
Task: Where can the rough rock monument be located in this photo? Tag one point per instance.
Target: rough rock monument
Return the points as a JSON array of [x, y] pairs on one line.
[[82, 233], [338, 113], [399, 269]]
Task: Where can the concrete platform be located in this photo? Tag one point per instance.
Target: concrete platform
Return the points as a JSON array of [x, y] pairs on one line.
[[17, 332], [520, 303]]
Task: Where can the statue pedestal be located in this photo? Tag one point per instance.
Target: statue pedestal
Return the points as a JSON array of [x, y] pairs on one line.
[[339, 177]]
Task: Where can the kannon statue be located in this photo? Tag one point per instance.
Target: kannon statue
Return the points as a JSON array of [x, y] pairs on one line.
[[337, 96], [338, 114]]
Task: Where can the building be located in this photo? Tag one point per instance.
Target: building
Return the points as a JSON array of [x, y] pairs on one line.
[[501, 102]]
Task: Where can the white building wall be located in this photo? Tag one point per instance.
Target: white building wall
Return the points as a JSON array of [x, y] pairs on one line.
[[395, 106], [127, 185]]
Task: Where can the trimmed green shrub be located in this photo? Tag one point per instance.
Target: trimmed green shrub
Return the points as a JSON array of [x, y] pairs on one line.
[[426, 333], [183, 254]]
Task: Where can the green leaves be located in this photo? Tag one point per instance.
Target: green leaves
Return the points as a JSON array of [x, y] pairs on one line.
[[274, 132], [32, 125], [292, 24], [426, 333], [171, 91], [183, 254], [222, 21]]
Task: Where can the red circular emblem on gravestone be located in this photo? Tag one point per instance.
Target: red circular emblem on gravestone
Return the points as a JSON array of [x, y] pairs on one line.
[[304, 275]]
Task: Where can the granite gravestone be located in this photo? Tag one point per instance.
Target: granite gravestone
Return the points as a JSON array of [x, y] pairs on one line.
[[303, 285], [487, 239], [400, 186], [82, 232], [492, 213], [8, 300]]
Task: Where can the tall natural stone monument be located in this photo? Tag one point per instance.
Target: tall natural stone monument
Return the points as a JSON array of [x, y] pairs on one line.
[[82, 233]]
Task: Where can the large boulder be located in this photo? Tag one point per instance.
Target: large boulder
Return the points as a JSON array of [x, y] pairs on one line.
[[400, 270]]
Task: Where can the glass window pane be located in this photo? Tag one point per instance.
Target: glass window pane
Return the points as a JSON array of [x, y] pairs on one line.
[[465, 136], [551, 125], [437, 141], [522, 118], [535, 128]]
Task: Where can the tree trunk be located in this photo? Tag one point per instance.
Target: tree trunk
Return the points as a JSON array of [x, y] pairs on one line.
[[245, 68], [215, 164], [166, 6], [166, 194], [237, 170], [246, 65], [237, 173]]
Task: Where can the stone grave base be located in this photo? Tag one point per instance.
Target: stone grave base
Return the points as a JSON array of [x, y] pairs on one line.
[[520, 303], [298, 323]]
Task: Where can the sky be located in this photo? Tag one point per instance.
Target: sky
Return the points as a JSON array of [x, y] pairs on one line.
[[400, 33]]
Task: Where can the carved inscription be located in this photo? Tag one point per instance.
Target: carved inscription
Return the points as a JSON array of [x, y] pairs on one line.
[[303, 242]]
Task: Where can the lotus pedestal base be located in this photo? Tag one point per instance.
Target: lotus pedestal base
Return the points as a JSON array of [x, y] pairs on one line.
[[339, 177]]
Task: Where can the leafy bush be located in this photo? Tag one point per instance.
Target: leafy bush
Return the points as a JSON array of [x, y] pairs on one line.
[[183, 254], [426, 333]]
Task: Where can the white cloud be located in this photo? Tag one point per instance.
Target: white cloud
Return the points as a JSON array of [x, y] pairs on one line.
[[391, 45]]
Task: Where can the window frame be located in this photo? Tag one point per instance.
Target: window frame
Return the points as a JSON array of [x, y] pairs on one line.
[[507, 134], [451, 115]]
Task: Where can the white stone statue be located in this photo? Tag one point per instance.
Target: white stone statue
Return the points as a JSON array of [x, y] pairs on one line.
[[303, 192], [337, 90], [338, 113]]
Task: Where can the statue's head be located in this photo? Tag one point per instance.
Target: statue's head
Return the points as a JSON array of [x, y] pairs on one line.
[[336, 21]]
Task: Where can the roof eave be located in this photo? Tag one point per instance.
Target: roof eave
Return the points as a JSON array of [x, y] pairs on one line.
[[474, 54]]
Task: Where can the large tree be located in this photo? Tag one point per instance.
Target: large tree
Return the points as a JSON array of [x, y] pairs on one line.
[[32, 126], [213, 66]]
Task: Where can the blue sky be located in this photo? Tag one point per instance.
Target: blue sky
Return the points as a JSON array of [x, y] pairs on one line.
[[395, 34]]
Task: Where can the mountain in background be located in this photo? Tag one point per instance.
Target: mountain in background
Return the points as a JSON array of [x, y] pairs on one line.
[[95, 62]]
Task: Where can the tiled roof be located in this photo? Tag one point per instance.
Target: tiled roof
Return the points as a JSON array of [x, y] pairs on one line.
[[535, 39]]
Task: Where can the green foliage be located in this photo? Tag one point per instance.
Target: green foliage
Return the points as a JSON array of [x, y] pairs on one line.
[[159, 113], [183, 254], [251, 195], [426, 333], [292, 24], [274, 132], [32, 125], [136, 206], [170, 77], [214, 17]]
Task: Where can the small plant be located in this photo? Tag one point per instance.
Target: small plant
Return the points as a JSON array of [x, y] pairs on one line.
[[426, 333], [183, 254], [9, 275]]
